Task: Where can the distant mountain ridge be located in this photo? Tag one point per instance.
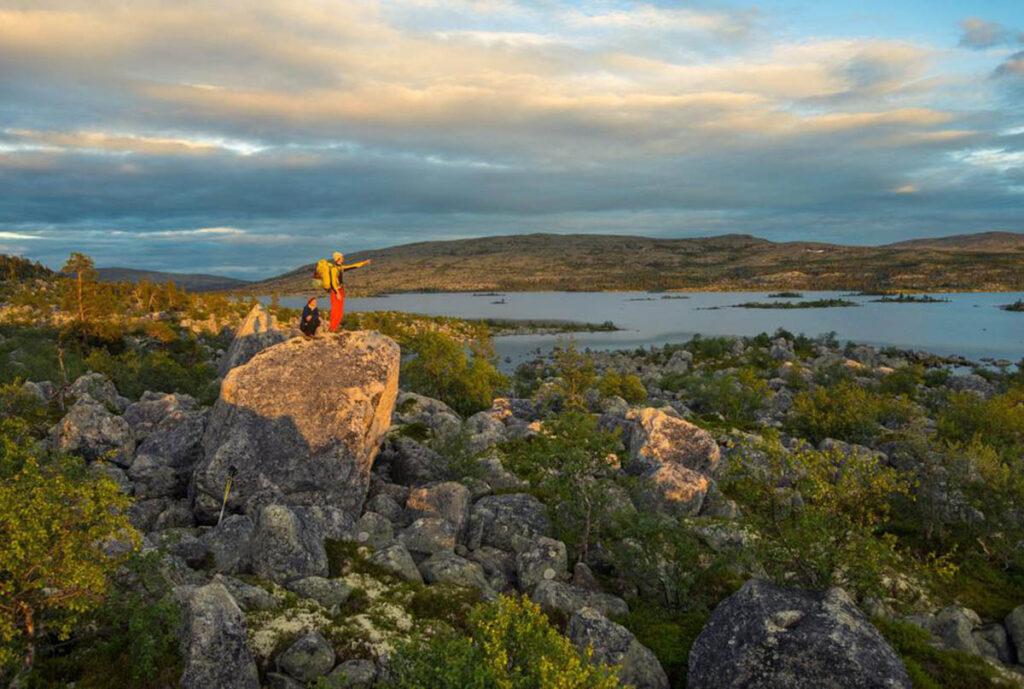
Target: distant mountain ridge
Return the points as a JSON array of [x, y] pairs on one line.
[[193, 282], [990, 261]]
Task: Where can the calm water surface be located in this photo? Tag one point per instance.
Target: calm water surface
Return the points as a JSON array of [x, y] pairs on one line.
[[970, 324]]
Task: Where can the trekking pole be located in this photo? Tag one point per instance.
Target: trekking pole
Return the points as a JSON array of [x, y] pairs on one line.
[[232, 472]]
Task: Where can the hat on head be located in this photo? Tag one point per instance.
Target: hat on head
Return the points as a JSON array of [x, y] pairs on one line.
[[337, 256]]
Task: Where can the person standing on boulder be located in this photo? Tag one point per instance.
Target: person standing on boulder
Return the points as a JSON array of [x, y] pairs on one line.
[[334, 283]]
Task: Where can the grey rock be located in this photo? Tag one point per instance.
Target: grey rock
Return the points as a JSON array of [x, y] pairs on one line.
[[434, 414], [143, 513], [993, 642], [152, 408], [374, 530], [165, 459], [544, 560], [215, 651], [90, 430], [498, 477], [567, 599], [495, 520], [98, 387], [247, 596], [275, 680], [176, 515], [499, 566], [412, 463], [285, 548], [953, 626], [447, 500], [257, 332], [583, 577], [230, 543], [386, 506], [353, 674], [42, 390], [613, 644], [674, 489], [308, 658], [329, 593], [293, 437], [1015, 630], [427, 536], [657, 438], [768, 637], [396, 559], [449, 568]]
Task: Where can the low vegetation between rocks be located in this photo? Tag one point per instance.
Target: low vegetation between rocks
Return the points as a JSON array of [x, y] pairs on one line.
[[718, 513]]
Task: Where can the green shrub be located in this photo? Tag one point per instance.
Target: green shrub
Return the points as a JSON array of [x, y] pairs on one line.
[[819, 516], [575, 375], [710, 349], [15, 402], [844, 411], [508, 644], [668, 633], [903, 381], [627, 386], [55, 519], [997, 421], [736, 398], [565, 464], [440, 367], [936, 668]]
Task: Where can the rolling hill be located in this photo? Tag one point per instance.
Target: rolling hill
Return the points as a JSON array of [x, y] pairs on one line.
[[988, 261], [193, 282]]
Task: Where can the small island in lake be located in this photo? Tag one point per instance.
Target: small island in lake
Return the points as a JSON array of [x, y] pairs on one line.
[[813, 304]]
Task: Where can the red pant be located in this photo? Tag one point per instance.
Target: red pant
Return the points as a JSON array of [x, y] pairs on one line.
[[337, 308]]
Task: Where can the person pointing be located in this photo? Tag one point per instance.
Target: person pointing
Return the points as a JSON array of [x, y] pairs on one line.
[[336, 287]]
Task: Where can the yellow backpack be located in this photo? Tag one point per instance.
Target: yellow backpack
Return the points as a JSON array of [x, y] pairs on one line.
[[323, 273]]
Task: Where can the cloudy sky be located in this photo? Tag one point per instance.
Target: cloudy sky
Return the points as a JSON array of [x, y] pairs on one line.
[[246, 138]]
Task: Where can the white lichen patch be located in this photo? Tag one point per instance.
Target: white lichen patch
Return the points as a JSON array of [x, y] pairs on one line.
[[267, 630]]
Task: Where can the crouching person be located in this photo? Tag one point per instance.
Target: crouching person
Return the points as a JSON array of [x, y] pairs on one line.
[[310, 319]]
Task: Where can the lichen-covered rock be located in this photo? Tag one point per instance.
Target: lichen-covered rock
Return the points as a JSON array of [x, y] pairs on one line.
[[311, 656], [434, 414], [656, 438], [90, 430], [98, 387], [427, 536], [543, 560], [567, 599], [1015, 630], [495, 520], [257, 332], [329, 593], [953, 625], [448, 500], [499, 566], [412, 463], [165, 460], [373, 530], [613, 644], [993, 642], [449, 568], [386, 506], [214, 644], [357, 673], [285, 547], [229, 544], [247, 596], [768, 637], [675, 490], [301, 423], [152, 408], [396, 559]]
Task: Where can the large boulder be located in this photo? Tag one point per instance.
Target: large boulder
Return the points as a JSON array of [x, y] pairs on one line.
[[674, 490], [768, 637], [98, 387], [286, 547], [258, 331], [311, 656], [215, 650], [613, 644], [301, 424], [496, 520], [90, 430], [566, 599], [448, 500], [657, 438], [152, 408], [165, 460]]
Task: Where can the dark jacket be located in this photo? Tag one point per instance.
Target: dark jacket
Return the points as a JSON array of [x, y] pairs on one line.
[[310, 320]]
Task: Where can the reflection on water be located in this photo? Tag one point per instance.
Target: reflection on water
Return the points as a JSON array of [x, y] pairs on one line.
[[969, 324]]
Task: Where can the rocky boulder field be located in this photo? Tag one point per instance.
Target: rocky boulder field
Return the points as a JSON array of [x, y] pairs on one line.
[[317, 517]]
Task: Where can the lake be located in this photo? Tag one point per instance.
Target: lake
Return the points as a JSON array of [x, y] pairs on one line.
[[969, 324]]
